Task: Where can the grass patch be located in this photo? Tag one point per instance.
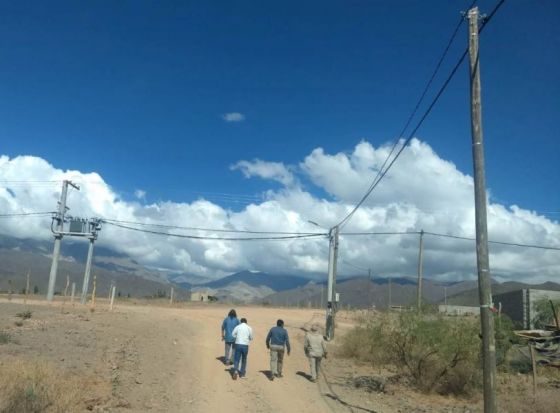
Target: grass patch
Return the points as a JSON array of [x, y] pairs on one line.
[[34, 387], [24, 315], [5, 337]]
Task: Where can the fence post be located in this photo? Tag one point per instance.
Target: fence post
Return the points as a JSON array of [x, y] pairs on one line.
[[113, 289], [26, 289], [93, 293], [73, 293]]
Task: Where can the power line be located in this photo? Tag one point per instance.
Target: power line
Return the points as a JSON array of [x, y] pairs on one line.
[[197, 237], [382, 172], [435, 234], [354, 266], [436, 70], [283, 235], [514, 244], [382, 233], [24, 214], [28, 182], [235, 231]]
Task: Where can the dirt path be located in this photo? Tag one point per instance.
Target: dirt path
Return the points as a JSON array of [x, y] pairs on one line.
[[153, 358], [165, 359], [218, 392]]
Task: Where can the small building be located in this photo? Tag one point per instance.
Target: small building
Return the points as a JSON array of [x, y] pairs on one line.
[[519, 305], [201, 296], [458, 310]]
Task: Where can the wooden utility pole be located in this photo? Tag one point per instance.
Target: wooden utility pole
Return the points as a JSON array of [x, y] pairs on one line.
[[482, 261], [420, 270]]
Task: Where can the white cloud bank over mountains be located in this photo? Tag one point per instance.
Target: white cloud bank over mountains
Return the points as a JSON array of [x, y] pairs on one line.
[[422, 191]]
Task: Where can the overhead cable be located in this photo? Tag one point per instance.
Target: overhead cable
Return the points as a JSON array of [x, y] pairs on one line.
[[234, 231], [208, 238], [382, 172], [24, 214]]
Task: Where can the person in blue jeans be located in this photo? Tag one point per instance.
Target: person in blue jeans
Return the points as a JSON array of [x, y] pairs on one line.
[[229, 323], [243, 335]]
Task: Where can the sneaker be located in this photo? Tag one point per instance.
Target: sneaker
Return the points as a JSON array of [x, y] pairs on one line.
[[271, 377], [234, 375], [279, 375], [313, 380], [242, 377]]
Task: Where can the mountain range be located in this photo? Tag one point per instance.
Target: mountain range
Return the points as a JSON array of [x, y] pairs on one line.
[[19, 256]]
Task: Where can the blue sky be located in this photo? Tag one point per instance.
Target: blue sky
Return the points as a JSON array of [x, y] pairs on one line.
[[136, 90], [128, 96]]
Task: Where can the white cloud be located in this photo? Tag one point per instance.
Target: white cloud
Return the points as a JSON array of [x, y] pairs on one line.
[[422, 191], [266, 170], [233, 117], [140, 194]]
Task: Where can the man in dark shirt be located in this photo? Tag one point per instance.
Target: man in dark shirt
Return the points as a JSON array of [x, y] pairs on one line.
[[276, 339]]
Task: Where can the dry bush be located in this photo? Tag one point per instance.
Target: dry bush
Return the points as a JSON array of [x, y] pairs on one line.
[[438, 353], [24, 315], [368, 342], [433, 352], [33, 387]]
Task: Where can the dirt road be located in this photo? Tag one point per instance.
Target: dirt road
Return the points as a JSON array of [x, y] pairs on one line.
[[149, 357], [166, 359]]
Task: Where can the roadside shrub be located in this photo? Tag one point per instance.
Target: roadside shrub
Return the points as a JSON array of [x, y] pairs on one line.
[[34, 387], [366, 343], [544, 314], [435, 353]]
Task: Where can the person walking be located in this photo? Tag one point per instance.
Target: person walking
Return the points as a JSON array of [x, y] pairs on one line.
[[243, 335], [276, 340], [229, 323], [315, 349]]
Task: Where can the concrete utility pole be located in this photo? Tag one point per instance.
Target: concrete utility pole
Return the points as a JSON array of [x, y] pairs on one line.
[[87, 273], [420, 270], [331, 293], [94, 228], [58, 236], [482, 261]]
